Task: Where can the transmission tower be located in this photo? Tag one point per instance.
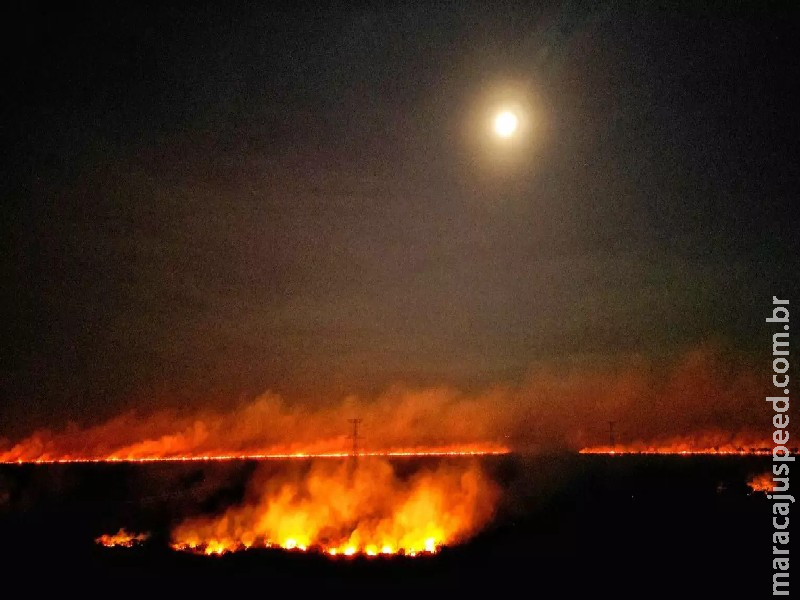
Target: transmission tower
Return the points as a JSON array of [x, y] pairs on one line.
[[355, 437]]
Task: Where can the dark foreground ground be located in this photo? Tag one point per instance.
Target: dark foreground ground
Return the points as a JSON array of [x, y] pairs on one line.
[[568, 527]]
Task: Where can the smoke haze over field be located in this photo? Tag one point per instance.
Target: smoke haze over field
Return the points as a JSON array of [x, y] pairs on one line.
[[702, 399]]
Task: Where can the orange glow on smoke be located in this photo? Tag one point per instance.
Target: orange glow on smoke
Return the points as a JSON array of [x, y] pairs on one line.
[[650, 401], [399, 423], [122, 538], [761, 483], [343, 510]]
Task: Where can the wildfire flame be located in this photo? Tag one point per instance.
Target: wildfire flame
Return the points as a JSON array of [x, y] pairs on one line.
[[439, 451], [341, 509], [717, 444], [268, 428], [405, 423], [122, 538], [761, 483], [679, 450]]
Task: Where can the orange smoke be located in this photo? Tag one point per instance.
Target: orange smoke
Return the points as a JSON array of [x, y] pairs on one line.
[[122, 538], [341, 509], [761, 483], [396, 425], [702, 402]]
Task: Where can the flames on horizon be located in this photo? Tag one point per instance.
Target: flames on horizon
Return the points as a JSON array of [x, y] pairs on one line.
[[718, 443], [270, 428], [419, 452], [704, 395]]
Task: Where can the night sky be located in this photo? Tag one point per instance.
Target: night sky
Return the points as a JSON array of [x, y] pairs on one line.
[[201, 204]]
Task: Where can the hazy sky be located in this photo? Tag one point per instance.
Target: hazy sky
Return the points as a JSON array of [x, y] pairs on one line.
[[204, 204]]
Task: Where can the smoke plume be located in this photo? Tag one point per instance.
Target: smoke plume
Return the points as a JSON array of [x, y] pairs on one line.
[[703, 398]]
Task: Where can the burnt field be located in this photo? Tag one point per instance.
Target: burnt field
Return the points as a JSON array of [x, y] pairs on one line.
[[576, 526]]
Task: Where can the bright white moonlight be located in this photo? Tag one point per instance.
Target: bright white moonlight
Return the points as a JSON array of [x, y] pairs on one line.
[[505, 124]]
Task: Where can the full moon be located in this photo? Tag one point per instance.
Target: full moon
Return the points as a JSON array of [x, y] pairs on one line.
[[505, 124]]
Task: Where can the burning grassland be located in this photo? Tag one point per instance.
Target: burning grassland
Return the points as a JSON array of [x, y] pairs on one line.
[[762, 482], [268, 427], [708, 443], [342, 508], [122, 538]]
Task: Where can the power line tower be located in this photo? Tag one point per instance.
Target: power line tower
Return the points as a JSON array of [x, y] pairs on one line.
[[612, 438], [355, 437]]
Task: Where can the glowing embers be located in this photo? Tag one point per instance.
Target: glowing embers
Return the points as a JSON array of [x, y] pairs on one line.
[[122, 538], [343, 510]]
